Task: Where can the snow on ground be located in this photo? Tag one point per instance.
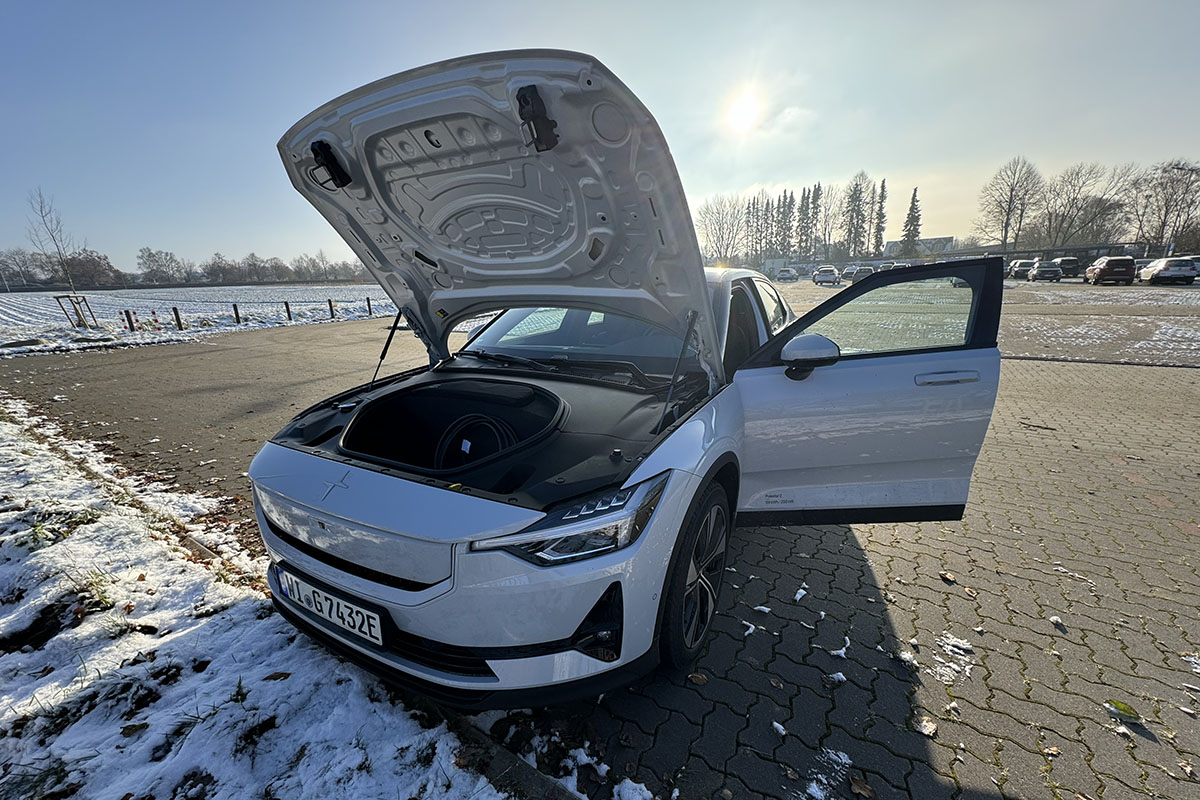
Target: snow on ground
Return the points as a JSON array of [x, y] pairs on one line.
[[130, 668], [203, 309], [1086, 294]]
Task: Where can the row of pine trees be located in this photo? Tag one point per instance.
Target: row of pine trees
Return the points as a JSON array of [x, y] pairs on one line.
[[826, 224]]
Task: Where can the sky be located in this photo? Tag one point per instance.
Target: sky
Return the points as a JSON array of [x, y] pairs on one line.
[[154, 123]]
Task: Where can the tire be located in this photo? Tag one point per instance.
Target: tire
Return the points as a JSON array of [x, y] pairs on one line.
[[694, 585], [1129, 282], [1189, 281]]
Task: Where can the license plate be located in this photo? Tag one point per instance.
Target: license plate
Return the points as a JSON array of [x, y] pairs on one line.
[[345, 615]]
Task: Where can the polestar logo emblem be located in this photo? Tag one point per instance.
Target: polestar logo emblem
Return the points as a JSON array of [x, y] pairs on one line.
[[339, 484]]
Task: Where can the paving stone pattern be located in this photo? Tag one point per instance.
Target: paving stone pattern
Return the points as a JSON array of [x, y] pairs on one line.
[[1083, 509]]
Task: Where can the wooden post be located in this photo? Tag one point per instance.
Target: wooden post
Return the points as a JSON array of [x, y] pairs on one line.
[[178, 321], [237, 318], [368, 306], [288, 308], [330, 308], [129, 320]]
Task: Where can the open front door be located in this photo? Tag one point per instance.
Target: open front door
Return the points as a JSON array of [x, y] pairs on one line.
[[891, 430]]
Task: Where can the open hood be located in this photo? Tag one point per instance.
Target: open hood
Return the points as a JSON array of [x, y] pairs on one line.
[[523, 178]]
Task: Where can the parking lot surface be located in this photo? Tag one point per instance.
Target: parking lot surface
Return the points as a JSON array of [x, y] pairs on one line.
[[969, 659]]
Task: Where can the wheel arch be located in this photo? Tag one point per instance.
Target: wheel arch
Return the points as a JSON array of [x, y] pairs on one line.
[[725, 470]]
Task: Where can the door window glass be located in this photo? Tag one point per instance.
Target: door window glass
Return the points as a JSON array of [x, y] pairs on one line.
[[776, 310], [913, 315]]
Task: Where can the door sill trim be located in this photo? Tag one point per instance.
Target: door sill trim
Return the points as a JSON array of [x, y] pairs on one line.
[[836, 516]]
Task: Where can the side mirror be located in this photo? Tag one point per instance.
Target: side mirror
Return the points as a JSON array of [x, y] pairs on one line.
[[806, 352]]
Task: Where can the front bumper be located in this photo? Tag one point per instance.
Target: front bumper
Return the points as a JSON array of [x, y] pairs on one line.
[[498, 624]]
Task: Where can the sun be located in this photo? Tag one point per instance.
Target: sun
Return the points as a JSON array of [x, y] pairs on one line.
[[745, 110]]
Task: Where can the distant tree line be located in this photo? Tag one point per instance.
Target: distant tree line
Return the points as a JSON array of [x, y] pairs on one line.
[[827, 223], [1158, 207], [56, 258]]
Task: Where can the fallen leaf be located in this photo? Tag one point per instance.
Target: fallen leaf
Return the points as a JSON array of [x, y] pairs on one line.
[[927, 726], [141, 576], [778, 684], [791, 773], [698, 678], [1052, 752], [970, 592], [948, 577], [127, 608], [1187, 768], [860, 787], [1122, 710], [277, 676]]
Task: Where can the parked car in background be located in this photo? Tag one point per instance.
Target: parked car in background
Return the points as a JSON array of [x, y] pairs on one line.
[[848, 273], [827, 274], [787, 275], [1141, 262], [862, 272], [1020, 268], [1110, 269], [1044, 271], [1169, 270], [1070, 267]]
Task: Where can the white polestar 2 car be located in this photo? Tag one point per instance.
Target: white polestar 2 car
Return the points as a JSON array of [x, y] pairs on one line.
[[545, 511]]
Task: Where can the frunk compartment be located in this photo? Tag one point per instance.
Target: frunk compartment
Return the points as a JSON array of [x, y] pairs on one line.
[[452, 424]]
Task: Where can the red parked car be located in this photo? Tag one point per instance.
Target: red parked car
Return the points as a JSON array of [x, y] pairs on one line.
[[1113, 269]]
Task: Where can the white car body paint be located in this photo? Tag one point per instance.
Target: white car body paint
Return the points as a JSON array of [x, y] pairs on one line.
[[863, 433], [866, 434]]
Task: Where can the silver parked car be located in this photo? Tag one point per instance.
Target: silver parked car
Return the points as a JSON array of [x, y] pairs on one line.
[[1044, 271], [1169, 270]]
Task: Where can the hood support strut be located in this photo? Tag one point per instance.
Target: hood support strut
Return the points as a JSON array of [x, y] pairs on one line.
[[687, 337]]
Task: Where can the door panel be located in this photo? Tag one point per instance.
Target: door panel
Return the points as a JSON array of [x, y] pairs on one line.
[[892, 430]]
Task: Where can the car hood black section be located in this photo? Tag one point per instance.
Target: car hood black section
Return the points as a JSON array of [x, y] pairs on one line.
[[595, 444]]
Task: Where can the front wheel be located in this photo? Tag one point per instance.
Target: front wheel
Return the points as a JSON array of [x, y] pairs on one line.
[[695, 581]]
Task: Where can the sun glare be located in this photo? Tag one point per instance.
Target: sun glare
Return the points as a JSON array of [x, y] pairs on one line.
[[745, 110]]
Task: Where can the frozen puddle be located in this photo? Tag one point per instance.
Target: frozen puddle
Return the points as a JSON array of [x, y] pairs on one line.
[[128, 668]]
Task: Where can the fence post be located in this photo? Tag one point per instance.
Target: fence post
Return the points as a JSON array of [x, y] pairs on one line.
[[129, 320], [178, 321], [237, 318], [288, 308], [330, 308], [368, 306]]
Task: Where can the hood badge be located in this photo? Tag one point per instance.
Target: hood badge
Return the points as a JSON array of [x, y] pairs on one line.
[[340, 483]]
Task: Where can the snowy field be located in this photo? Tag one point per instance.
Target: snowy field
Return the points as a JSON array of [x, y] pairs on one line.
[[131, 668], [28, 316]]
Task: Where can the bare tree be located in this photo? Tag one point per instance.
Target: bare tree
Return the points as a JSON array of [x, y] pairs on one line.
[[721, 223], [1082, 200], [1007, 200], [14, 262], [833, 208], [1164, 202], [48, 236]]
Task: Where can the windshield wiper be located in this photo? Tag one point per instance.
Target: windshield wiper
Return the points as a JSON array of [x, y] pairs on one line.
[[634, 371], [504, 358]]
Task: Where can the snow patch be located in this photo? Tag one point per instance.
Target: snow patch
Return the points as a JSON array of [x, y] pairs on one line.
[[181, 676]]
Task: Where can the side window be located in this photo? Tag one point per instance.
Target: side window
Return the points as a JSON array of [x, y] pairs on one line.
[[913, 315], [775, 309]]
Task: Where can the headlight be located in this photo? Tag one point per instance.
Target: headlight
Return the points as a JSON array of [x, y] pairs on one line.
[[598, 525]]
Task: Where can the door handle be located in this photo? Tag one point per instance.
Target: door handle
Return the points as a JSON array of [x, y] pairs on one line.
[[946, 378]]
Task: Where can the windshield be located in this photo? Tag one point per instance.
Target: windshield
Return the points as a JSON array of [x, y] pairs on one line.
[[582, 338]]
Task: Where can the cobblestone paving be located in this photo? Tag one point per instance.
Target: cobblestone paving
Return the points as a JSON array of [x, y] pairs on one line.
[[1074, 582], [1083, 509]]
